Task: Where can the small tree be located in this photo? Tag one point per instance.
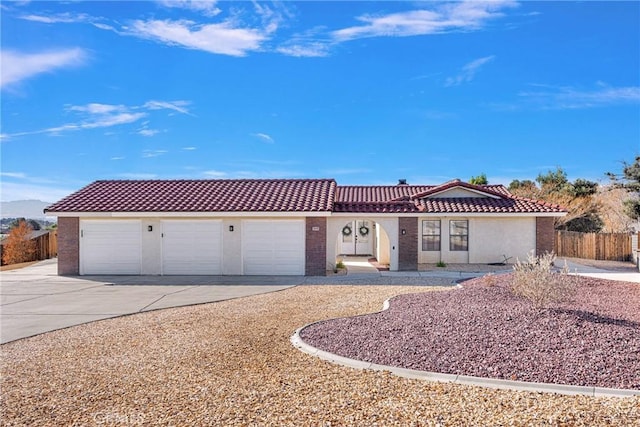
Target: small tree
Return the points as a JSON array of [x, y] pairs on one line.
[[553, 182], [18, 246], [524, 188], [479, 180], [577, 197]]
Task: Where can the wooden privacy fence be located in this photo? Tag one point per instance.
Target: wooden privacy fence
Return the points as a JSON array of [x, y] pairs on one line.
[[46, 244], [600, 246]]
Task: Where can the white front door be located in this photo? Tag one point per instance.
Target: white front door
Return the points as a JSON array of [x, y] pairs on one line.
[[357, 238]]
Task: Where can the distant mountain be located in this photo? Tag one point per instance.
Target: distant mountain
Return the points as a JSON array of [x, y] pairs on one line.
[[23, 209]]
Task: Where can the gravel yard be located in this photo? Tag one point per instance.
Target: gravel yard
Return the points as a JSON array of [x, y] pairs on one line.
[[231, 363], [484, 330]]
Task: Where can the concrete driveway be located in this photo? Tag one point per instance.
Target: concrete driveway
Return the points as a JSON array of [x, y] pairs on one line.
[[34, 299]]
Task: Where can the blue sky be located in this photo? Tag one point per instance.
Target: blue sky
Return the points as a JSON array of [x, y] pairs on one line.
[[363, 92]]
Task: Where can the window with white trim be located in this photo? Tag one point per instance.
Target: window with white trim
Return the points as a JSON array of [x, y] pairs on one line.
[[431, 235], [458, 235]]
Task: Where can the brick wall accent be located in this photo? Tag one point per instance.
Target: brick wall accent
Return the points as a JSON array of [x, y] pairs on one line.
[[316, 246], [408, 244], [545, 235], [68, 246]]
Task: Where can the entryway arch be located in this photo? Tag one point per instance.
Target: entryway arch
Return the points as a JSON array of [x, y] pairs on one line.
[[363, 236]]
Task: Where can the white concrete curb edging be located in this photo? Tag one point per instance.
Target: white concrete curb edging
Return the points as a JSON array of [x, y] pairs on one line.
[[495, 383]]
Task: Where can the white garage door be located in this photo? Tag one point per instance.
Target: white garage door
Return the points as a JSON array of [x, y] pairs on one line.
[[110, 247], [192, 247], [273, 247]]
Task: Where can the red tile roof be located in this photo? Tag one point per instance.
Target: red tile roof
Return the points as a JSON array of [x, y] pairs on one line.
[[385, 193], [485, 205], [416, 198], [377, 193], [494, 190], [242, 195], [290, 195]]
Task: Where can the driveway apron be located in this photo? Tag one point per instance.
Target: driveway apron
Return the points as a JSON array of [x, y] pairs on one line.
[[34, 300]]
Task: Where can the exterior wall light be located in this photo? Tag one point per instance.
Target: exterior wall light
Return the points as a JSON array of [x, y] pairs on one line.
[[404, 231], [149, 227], [231, 228]]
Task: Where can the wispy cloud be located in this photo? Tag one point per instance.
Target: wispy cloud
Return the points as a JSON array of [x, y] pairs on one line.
[[250, 29], [97, 115], [214, 174], [19, 66], [146, 154], [137, 175], [179, 106], [251, 174], [205, 7], [19, 175], [468, 71], [569, 98], [95, 108], [263, 136], [189, 148], [230, 36], [145, 131], [441, 18], [101, 121], [148, 132], [313, 42], [65, 18], [305, 49], [117, 158], [221, 38]]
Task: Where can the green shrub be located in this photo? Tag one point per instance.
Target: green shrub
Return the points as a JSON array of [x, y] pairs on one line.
[[441, 264], [536, 281]]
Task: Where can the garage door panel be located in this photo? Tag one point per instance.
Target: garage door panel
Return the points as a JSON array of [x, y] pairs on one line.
[[192, 247], [273, 247], [111, 247]]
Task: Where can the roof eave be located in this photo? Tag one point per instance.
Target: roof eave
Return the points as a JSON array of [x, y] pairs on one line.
[[173, 214]]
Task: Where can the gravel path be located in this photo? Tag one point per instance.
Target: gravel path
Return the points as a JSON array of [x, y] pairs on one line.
[[485, 331], [231, 363]]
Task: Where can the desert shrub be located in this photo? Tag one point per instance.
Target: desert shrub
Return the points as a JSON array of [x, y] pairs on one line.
[[536, 280], [490, 279], [17, 246]]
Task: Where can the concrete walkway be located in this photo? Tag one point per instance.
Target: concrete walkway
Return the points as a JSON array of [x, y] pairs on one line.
[[584, 270]]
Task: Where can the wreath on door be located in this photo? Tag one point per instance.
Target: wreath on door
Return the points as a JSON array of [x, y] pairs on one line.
[[346, 230], [364, 230]]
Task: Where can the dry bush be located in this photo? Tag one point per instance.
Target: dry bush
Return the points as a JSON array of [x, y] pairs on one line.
[[17, 246], [536, 281], [612, 213], [490, 279]]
